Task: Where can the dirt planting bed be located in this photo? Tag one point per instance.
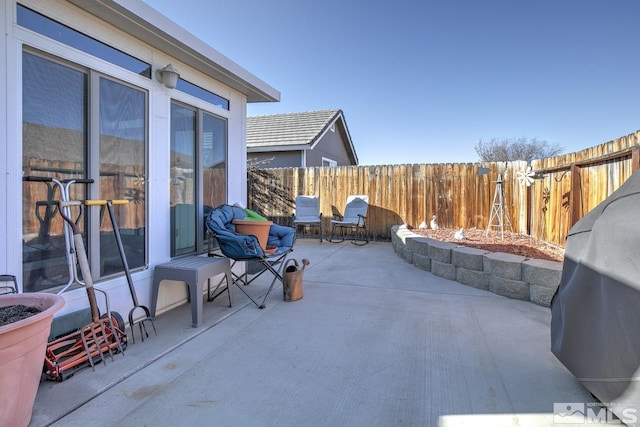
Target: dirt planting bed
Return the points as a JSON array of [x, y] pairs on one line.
[[512, 243]]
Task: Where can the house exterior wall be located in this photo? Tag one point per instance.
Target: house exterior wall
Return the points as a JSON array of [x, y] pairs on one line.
[[277, 159], [330, 146], [158, 149]]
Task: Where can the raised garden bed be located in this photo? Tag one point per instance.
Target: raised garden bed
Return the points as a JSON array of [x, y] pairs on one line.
[[494, 241], [503, 273]]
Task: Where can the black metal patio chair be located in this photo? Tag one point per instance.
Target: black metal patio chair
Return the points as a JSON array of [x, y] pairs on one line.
[[354, 218]]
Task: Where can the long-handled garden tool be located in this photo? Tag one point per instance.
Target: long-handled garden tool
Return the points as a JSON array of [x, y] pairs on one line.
[[136, 306], [52, 206], [68, 354], [104, 335], [92, 342]]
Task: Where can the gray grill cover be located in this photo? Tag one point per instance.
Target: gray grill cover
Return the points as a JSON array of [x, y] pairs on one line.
[[595, 325]]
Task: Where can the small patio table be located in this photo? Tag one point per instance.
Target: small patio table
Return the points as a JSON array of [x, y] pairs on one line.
[[194, 271]]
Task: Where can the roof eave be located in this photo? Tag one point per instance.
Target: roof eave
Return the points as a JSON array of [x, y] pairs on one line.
[[142, 21], [352, 149], [339, 116]]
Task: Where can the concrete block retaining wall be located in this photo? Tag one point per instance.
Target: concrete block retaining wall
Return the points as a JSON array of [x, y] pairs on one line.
[[504, 274]]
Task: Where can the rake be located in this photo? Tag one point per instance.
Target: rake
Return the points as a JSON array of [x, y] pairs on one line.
[[136, 306], [65, 355]]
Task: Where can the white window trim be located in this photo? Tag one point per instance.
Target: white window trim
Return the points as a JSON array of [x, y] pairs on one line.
[[331, 163]]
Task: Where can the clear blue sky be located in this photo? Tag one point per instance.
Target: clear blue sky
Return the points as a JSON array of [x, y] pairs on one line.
[[423, 81]]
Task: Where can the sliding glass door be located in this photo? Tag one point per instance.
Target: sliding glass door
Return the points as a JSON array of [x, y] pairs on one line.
[[198, 174], [78, 123]]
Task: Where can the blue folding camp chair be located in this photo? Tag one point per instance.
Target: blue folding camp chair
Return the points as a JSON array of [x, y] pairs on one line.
[[240, 247]]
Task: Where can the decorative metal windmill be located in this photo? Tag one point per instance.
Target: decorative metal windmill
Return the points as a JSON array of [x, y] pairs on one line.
[[526, 177], [499, 217]]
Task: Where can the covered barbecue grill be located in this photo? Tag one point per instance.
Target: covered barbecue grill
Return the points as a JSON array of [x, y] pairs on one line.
[[595, 326]]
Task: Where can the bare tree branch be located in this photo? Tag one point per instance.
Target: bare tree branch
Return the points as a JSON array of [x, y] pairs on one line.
[[503, 150]]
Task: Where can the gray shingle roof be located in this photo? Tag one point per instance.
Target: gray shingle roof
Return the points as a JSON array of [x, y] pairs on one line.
[[289, 129]]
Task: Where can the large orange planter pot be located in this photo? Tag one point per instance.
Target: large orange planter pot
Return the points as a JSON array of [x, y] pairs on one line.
[[260, 229], [22, 352]]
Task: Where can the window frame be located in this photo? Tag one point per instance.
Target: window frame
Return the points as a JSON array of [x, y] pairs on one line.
[[80, 41], [330, 163], [54, 51], [201, 244]]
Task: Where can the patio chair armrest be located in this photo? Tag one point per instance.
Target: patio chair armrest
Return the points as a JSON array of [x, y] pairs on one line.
[[281, 236], [239, 246]]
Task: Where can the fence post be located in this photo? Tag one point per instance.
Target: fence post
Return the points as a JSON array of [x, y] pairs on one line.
[[575, 196]]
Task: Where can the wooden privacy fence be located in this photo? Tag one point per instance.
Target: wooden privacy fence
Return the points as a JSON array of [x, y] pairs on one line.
[[565, 189], [575, 183], [457, 194]]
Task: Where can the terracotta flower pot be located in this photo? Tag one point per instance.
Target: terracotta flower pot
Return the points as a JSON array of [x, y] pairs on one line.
[[260, 229], [22, 353]]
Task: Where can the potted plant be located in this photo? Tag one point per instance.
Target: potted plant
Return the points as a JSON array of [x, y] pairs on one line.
[[22, 352], [250, 227]]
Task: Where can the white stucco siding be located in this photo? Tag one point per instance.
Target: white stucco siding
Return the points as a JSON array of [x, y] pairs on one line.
[[237, 158]]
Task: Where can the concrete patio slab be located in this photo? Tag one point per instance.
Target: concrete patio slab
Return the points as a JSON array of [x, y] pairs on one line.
[[373, 341]]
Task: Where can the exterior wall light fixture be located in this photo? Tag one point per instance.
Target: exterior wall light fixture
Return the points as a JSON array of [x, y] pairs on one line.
[[168, 76]]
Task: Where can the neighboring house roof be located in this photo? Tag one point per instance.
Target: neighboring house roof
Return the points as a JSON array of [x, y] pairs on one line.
[[295, 131], [141, 20]]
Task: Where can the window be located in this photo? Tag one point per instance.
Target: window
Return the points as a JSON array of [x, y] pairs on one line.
[[122, 164], [56, 31], [80, 124], [328, 162], [198, 149], [203, 94]]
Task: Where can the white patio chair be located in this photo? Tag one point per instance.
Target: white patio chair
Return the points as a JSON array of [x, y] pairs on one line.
[[308, 213], [354, 218]]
